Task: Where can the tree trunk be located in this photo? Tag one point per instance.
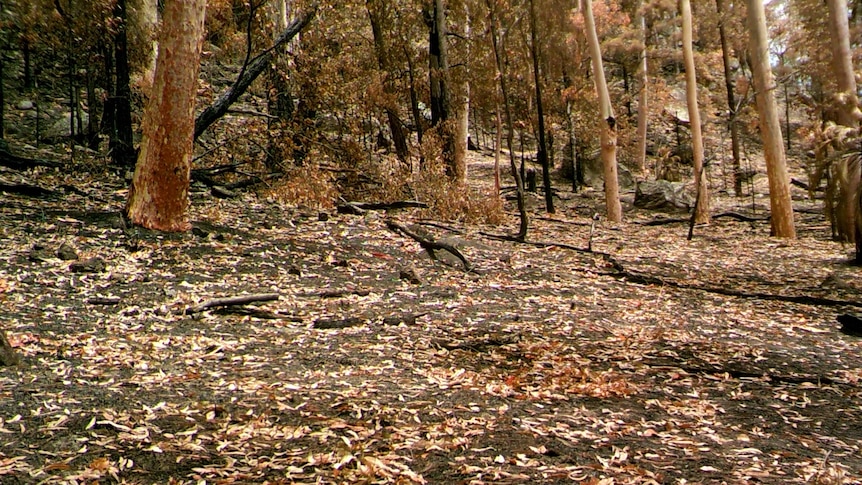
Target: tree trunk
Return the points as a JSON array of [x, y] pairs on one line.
[[702, 207], [279, 98], [441, 96], [643, 107], [770, 125], [498, 147], [848, 115], [731, 99], [414, 98], [145, 19], [121, 143], [376, 15], [842, 63], [158, 197], [2, 100], [543, 146], [607, 122], [510, 133]]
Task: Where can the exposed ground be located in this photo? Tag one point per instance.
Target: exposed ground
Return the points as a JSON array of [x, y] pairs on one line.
[[650, 360]]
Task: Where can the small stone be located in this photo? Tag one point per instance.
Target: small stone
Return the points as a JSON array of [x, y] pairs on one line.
[[25, 104], [409, 274], [66, 252], [39, 255], [92, 265]]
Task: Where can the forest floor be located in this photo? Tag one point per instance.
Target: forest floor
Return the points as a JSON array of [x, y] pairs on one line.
[[646, 358]]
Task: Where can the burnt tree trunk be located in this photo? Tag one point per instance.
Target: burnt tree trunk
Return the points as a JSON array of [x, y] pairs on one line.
[[543, 146], [255, 67]]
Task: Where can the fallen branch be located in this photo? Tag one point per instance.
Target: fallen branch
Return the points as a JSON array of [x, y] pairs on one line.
[[620, 272], [26, 189], [103, 300], [232, 300], [257, 313], [334, 323], [372, 206], [428, 244], [730, 214], [539, 244], [336, 293], [10, 160]]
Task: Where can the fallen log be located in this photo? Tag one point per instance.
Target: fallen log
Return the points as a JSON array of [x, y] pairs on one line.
[[337, 293], [429, 245], [10, 160], [375, 206], [232, 300]]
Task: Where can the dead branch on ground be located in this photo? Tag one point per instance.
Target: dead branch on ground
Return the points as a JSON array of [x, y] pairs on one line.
[[232, 300]]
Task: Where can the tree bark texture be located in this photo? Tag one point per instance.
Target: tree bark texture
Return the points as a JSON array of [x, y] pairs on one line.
[[702, 207], [158, 197], [842, 63], [543, 146], [770, 125], [607, 122], [848, 115], [731, 99], [643, 99], [510, 131], [378, 17], [121, 141], [442, 115]]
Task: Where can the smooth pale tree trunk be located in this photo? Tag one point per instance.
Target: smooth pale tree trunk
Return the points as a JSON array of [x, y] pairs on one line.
[[731, 99], [159, 195], [770, 125], [848, 115], [543, 145], [498, 142], [607, 122], [702, 206], [463, 132], [842, 63], [643, 99], [144, 18]]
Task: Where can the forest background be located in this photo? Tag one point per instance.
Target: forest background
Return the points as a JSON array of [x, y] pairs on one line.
[[279, 128]]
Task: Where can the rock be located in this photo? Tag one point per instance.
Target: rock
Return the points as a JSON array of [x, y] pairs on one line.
[[850, 324], [25, 104], [66, 252], [662, 195], [408, 273], [92, 265], [39, 255], [62, 127], [8, 357]]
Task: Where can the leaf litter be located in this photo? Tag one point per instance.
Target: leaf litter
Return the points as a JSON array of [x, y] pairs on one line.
[[540, 365]]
